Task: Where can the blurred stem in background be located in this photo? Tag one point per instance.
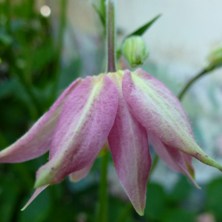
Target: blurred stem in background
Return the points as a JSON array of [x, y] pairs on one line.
[[8, 9], [199, 75], [191, 82], [59, 45], [102, 214], [35, 107], [214, 62]]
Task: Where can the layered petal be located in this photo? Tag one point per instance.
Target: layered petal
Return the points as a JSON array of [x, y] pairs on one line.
[[129, 147], [34, 195], [37, 140], [160, 112], [175, 159], [82, 130], [80, 174]]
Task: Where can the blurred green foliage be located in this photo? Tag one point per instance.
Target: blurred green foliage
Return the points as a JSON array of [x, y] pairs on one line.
[[31, 73]]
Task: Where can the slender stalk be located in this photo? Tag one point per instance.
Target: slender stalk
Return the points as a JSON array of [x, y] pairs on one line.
[[59, 44], [192, 81], [102, 215], [8, 13], [125, 213], [110, 35], [35, 107]]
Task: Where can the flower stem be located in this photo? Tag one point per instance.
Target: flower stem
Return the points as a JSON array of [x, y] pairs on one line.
[[59, 45], [102, 215], [192, 81], [110, 35]]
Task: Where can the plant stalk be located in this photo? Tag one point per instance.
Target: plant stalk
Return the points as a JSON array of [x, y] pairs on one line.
[[192, 81], [110, 35], [102, 215]]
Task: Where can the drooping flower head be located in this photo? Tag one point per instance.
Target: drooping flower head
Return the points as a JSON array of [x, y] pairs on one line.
[[126, 110]]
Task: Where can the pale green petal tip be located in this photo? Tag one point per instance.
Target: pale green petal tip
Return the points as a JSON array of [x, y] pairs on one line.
[[208, 160], [139, 209], [42, 180], [23, 208], [38, 183], [140, 212], [193, 181], [191, 176]]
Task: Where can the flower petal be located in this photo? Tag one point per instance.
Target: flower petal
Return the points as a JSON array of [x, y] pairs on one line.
[[160, 112], [37, 140], [129, 147], [34, 195], [82, 130], [80, 174], [176, 160]]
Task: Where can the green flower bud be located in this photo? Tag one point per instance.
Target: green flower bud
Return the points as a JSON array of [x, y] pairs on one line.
[[215, 58], [134, 50]]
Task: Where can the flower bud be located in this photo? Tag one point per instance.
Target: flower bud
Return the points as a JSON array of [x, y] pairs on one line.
[[135, 50], [215, 58]]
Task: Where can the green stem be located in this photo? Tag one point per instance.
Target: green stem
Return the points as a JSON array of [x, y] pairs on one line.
[[102, 215], [192, 81], [111, 36], [59, 44], [9, 15], [125, 213], [35, 106], [37, 111]]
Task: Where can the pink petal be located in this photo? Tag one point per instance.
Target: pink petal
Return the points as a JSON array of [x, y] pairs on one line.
[[80, 174], [34, 195], [160, 112], [37, 140], [129, 147], [82, 130], [175, 159]]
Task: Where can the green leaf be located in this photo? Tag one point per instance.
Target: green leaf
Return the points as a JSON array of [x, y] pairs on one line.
[[41, 57], [38, 211], [103, 7], [7, 87], [9, 194], [181, 191], [178, 214], [5, 39], [145, 27], [156, 203], [101, 11], [214, 197], [119, 210]]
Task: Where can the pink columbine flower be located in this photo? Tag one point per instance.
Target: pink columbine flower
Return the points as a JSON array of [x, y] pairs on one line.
[[127, 110]]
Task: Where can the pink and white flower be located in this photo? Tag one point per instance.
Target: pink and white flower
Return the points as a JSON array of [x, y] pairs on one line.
[[127, 110]]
